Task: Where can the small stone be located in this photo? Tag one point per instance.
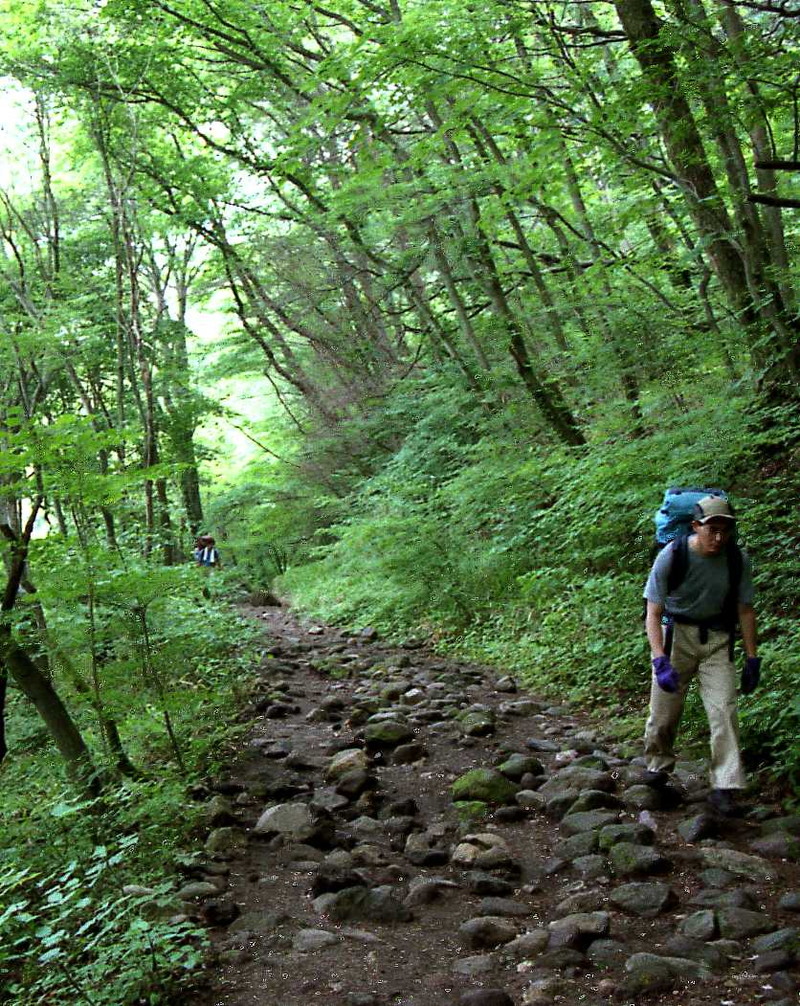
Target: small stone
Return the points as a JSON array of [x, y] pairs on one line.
[[716, 955], [540, 744], [559, 803], [226, 843], [790, 824], [424, 890], [701, 926], [740, 863], [355, 784], [778, 845], [219, 812], [345, 761], [198, 889], [781, 939], [579, 930], [648, 973], [485, 784], [612, 834], [328, 799], [292, 820], [386, 735], [408, 754], [590, 867], [309, 940], [609, 953], [486, 851], [642, 798], [330, 877], [739, 923], [378, 904], [643, 898], [561, 958], [553, 865], [421, 849], [595, 799], [220, 912], [487, 931], [582, 844], [696, 828], [630, 859], [518, 765], [579, 777], [487, 885], [478, 723], [528, 944], [471, 967], [486, 997], [736, 898], [582, 901], [510, 815], [505, 907], [715, 877], [530, 799], [790, 902], [774, 960], [590, 820]]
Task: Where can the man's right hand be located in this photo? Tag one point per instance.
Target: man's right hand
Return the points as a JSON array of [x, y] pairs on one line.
[[666, 675]]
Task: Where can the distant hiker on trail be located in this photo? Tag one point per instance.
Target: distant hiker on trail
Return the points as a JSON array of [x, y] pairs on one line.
[[206, 553], [699, 589]]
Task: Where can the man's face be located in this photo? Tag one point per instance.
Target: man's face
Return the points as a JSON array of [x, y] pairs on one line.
[[712, 537]]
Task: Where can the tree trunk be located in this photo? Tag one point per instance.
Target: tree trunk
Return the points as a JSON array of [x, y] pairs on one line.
[[684, 147]]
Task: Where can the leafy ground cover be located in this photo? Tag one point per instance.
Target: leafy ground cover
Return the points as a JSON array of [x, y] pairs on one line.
[[87, 906]]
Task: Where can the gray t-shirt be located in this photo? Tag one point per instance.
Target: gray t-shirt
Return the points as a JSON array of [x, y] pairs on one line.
[[704, 588]]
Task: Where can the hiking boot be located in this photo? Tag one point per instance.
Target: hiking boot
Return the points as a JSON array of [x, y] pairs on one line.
[[724, 802]]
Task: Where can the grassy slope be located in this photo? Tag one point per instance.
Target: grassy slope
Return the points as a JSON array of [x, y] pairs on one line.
[[534, 558]]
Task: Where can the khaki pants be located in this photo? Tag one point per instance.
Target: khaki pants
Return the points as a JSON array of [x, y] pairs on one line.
[[716, 677]]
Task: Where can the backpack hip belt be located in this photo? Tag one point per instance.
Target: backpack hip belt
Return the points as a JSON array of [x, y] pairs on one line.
[[717, 623]]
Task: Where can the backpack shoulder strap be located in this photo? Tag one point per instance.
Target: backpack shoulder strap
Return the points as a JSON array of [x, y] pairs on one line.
[[735, 567], [679, 563]]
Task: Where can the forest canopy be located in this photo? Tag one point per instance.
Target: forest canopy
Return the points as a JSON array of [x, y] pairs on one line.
[[472, 282]]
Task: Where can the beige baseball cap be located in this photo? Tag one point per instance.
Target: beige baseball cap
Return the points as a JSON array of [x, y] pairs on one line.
[[712, 506]]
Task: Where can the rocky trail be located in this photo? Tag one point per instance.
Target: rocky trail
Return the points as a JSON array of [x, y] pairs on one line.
[[406, 830]]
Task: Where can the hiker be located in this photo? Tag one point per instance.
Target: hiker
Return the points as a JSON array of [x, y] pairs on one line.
[[197, 549], [691, 627], [206, 553]]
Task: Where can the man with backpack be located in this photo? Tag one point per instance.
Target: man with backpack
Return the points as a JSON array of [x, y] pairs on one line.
[[699, 589]]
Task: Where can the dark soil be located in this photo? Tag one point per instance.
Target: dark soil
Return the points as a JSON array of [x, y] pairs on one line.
[[266, 895]]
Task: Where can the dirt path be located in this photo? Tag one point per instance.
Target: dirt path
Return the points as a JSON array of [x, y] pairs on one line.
[[339, 871]]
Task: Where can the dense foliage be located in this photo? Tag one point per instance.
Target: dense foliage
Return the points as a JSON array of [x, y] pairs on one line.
[[418, 306]]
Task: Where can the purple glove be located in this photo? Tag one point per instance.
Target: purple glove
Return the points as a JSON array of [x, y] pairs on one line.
[[666, 675], [751, 675]]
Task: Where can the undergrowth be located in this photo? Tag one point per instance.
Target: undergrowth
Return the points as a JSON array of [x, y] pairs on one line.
[[88, 911]]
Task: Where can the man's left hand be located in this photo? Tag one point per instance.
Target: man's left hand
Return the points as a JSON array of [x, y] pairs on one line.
[[751, 675]]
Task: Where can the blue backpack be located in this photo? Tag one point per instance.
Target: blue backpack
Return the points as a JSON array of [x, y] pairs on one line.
[[675, 515]]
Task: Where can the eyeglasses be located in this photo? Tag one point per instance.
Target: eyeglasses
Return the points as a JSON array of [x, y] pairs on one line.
[[717, 532]]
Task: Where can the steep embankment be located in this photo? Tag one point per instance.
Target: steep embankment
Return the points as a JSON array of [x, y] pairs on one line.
[[339, 870]]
